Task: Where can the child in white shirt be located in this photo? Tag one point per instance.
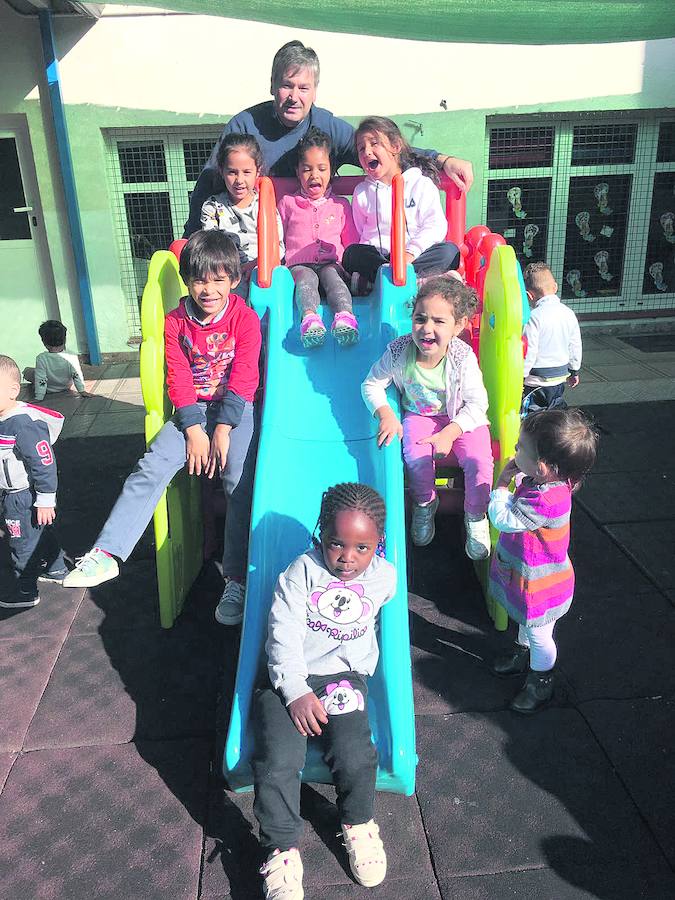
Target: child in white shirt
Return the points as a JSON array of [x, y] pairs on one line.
[[384, 153], [55, 370], [553, 356]]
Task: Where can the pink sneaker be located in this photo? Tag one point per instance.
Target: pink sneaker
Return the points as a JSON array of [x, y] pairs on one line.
[[345, 329], [312, 331]]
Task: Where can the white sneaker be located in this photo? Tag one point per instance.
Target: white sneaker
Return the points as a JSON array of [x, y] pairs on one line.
[[91, 569], [282, 874], [477, 538], [230, 609], [367, 858]]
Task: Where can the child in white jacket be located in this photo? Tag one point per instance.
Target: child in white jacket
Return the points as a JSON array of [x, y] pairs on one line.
[[553, 356], [383, 153], [444, 405]]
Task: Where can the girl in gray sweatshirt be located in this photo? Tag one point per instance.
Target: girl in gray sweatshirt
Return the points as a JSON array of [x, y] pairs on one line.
[[321, 646]]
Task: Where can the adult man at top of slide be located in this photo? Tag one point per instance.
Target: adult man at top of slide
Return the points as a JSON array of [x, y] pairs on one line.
[[280, 123]]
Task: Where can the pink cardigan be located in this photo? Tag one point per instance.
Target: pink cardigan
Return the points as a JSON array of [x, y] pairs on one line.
[[316, 231]]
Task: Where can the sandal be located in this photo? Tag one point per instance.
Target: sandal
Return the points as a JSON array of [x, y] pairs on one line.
[[345, 329], [312, 331]]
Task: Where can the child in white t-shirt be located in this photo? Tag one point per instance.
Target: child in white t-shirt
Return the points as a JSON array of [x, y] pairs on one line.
[[55, 370]]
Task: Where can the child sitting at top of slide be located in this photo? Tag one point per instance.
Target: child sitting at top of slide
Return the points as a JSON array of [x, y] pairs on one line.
[[321, 647], [383, 153], [55, 370], [553, 356], [235, 211], [212, 344], [317, 228], [444, 403]]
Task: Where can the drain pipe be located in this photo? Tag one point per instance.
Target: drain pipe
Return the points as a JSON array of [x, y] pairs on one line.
[[66, 166]]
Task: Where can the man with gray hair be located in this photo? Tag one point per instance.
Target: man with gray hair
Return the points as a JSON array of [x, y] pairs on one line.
[[280, 123]]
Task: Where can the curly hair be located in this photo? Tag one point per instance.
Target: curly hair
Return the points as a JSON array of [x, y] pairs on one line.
[[351, 496], [462, 299], [315, 138], [566, 440]]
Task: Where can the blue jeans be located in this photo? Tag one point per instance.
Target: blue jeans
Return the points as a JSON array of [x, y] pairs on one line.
[[166, 455]]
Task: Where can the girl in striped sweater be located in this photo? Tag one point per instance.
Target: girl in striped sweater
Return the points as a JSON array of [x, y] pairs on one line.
[[531, 574]]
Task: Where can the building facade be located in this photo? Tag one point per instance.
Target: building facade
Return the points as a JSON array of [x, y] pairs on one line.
[[573, 149]]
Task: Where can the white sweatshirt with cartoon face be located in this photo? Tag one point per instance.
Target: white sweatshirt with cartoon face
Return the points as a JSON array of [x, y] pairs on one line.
[[424, 217], [319, 625]]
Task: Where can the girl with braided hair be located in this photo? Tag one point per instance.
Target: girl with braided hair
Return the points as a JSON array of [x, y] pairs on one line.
[[321, 647]]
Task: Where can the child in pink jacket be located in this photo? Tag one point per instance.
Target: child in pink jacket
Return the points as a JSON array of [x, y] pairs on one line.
[[317, 228]]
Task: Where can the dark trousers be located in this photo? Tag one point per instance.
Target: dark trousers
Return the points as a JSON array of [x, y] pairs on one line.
[[31, 546], [535, 399], [367, 259], [280, 752]]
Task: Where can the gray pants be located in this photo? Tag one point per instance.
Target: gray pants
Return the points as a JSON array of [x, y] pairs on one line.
[[309, 279], [166, 455]]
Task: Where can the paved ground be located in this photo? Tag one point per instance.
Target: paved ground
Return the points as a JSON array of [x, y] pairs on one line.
[[108, 723]]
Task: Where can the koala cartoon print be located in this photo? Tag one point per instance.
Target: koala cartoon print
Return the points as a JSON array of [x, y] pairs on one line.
[[341, 603], [342, 698]]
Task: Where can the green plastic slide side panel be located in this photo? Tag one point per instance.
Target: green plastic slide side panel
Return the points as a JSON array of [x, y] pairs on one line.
[[178, 518], [501, 360]]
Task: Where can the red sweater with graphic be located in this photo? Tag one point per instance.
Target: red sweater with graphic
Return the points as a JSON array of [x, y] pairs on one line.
[[217, 362]]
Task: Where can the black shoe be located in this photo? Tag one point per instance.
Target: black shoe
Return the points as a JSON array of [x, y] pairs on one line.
[[514, 663], [54, 577], [537, 693], [20, 600]]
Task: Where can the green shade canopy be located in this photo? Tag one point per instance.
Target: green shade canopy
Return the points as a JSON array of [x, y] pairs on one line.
[[457, 21]]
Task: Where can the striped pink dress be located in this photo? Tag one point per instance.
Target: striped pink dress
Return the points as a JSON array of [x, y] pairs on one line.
[[531, 575]]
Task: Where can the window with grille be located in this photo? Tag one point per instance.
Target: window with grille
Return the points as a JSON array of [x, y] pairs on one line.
[[151, 175], [594, 196]]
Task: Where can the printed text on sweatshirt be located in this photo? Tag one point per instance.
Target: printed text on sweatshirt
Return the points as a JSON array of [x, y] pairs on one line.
[[319, 625]]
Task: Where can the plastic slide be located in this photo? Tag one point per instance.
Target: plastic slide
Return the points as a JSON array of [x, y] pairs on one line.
[[317, 432]]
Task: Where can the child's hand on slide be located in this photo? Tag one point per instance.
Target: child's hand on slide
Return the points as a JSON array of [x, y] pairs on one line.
[[306, 712], [389, 427], [220, 445], [508, 473], [197, 447]]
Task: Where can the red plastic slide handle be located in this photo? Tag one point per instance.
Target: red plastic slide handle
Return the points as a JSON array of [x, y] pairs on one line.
[[398, 261], [268, 234]]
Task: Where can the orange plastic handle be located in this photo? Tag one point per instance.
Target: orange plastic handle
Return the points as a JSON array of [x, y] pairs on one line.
[[268, 234], [455, 211], [398, 261]]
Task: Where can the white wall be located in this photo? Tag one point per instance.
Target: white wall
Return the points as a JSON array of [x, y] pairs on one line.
[[199, 64]]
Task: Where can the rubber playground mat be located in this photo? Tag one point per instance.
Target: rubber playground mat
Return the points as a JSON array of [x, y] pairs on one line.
[[110, 726]]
